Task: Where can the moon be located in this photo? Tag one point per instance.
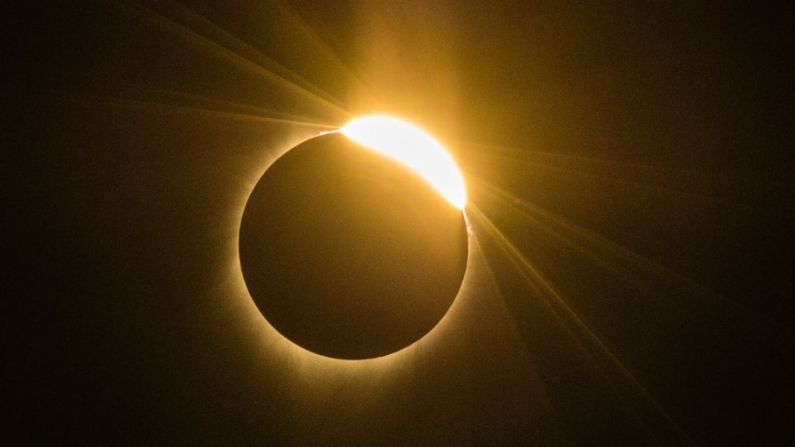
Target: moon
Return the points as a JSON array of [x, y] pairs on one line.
[[354, 244]]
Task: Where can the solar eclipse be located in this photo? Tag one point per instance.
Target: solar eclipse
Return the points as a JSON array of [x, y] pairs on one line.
[[353, 244]]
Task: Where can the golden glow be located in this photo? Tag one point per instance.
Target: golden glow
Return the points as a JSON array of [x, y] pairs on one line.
[[412, 146]]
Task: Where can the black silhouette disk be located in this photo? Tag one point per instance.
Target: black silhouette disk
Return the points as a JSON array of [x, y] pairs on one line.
[[350, 254]]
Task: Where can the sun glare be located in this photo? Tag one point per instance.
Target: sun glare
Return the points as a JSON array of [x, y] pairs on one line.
[[412, 146]]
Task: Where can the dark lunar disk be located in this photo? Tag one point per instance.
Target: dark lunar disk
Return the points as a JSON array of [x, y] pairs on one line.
[[348, 253]]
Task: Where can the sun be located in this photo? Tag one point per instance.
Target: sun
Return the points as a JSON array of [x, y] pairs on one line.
[[406, 143]]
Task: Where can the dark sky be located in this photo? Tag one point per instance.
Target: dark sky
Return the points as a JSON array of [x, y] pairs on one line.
[[631, 197]]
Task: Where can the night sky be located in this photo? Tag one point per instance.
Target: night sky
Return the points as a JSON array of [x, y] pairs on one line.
[[629, 169]]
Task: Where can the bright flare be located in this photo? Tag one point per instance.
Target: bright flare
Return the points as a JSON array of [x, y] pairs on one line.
[[410, 145]]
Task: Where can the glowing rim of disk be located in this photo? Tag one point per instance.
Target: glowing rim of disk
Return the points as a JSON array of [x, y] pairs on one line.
[[406, 143]]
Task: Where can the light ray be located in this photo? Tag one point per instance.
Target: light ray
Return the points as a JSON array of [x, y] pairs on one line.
[[227, 106], [657, 179], [184, 108], [277, 74], [581, 332], [654, 279], [302, 24]]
